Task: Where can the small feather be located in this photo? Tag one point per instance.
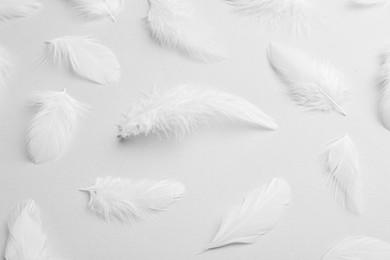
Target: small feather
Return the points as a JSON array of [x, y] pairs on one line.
[[92, 9], [86, 57], [359, 248], [124, 200], [6, 66], [384, 105], [14, 9], [172, 23], [52, 126], [314, 85], [258, 214], [182, 109], [341, 162]]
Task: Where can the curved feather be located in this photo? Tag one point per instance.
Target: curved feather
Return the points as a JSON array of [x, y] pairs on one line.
[[6, 66], [92, 9], [13, 9], [341, 161], [314, 85], [52, 126], [258, 214], [384, 104], [182, 109], [359, 248], [121, 199], [171, 23], [369, 2], [85, 57], [295, 15]]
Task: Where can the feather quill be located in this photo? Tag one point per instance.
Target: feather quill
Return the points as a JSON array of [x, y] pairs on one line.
[[172, 23], [124, 200], [26, 240], [314, 85], [182, 109], [295, 15], [258, 214], [341, 161], [369, 2], [6, 66], [384, 104], [92, 9], [86, 57], [359, 248], [53, 124], [14, 9]]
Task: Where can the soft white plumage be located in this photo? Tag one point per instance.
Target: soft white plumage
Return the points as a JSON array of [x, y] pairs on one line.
[[86, 57], [314, 85], [52, 126], [13, 9], [384, 105], [5, 66], [359, 248], [125, 200], [92, 9], [341, 161], [369, 2], [295, 15], [183, 108], [258, 214], [172, 23]]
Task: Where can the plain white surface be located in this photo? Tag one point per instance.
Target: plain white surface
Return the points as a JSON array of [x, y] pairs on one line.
[[219, 164]]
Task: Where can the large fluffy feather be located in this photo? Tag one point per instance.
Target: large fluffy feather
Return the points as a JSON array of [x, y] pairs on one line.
[[313, 85], [359, 248], [295, 15], [181, 109], [171, 23], [92, 9], [5, 66], [86, 57], [13, 9], [384, 105], [258, 214], [341, 161], [124, 200], [52, 126]]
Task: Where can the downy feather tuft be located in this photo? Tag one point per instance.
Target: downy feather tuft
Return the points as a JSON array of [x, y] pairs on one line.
[[14, 9], [92, 9], [6, 66]]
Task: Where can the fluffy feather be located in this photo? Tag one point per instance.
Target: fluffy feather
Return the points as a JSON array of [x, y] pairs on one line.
[[359, 248], [258, 214], [295, 15], [182, 109], [5, 66], [124, 200], [313, 85], [86, 57], [341, 161], [92, 9], [13, 9], [369, 2], [52, 126], [384, 104], [171, 23]]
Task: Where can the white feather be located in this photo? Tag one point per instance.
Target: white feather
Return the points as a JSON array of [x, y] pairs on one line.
[[369, 2], [172, 23], [384, 105], [26, 240], [92, 9], [86, 57], [121, 199], [314, 85], [53, 124], [182, 109], [341, 161], [359, 248], [295, 15], [258, 214], [6, 66], [13, 9]]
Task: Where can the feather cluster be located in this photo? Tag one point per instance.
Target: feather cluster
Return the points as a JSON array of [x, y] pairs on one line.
[[314, 85], [172, 23], [341, 161], [86, 57], [124, 200], [93, 9], [14, 9], [5, 66], [182, 109]]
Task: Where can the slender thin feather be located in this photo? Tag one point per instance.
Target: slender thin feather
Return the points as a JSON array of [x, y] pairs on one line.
[[359, 248], [258, 214], [53, 124], [172, 23], [295, 15], [93, 9], [86, 57], [314, 85], [6, 66], [182, 109], [14, 9], [124, 200], [341, 161], [384, 105], [369, 2]]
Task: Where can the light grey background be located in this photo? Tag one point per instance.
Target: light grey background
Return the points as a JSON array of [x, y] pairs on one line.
[[219, 164]]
